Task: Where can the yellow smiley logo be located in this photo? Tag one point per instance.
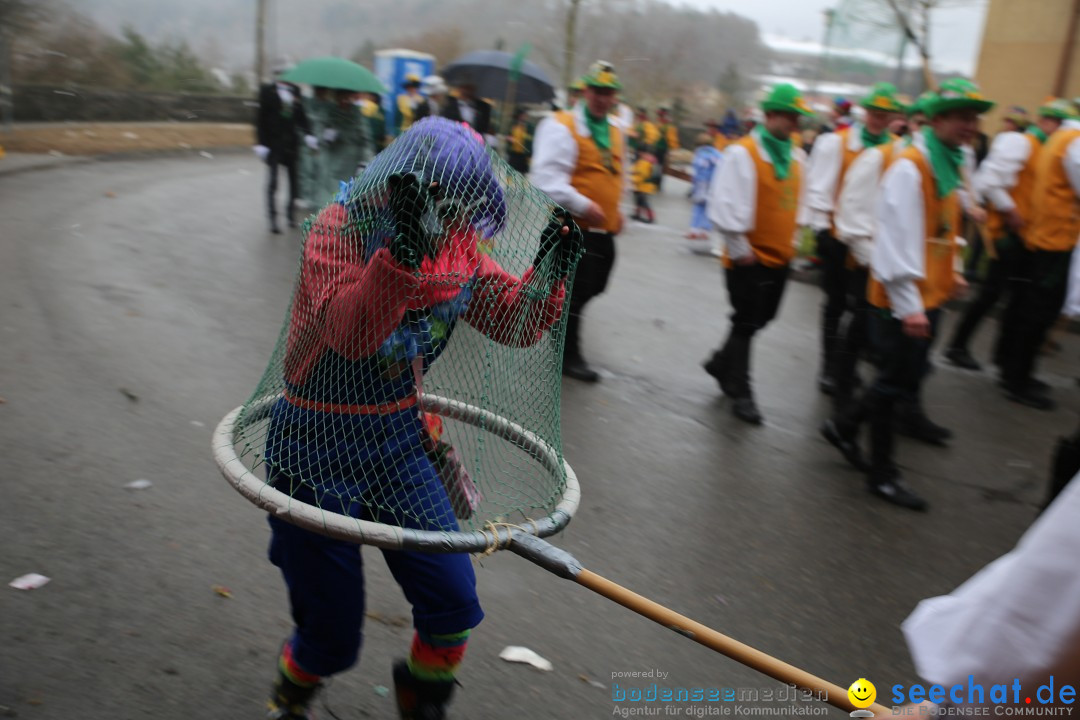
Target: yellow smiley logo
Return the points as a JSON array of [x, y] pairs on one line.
[[862, 693]]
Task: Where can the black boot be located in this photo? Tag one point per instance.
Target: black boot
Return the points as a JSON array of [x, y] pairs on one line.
[[847, 442], [289, 701], [887, 484], [960, 357], [830, 342], [574, 365], [274, 226], [736, 381], [420, 699], [717, 367], [913, 422]]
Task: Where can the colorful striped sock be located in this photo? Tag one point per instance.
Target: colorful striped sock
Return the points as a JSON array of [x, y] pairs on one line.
[[435, 658], [292, 671]]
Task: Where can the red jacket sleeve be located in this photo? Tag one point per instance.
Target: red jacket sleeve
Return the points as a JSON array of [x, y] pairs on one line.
[[342, 302], [513, 311]]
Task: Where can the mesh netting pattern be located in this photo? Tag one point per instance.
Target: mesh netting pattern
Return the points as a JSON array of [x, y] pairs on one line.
[[440, 273]]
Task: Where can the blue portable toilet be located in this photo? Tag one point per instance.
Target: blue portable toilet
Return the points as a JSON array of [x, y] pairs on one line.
[[392, 67]]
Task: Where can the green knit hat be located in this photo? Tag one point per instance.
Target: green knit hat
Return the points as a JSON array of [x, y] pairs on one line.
[[882, 96], [601, 74], [958, 94], [785, 97], [1059, 108]]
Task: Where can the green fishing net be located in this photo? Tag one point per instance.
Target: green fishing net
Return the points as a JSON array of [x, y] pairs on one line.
[[416, 380]]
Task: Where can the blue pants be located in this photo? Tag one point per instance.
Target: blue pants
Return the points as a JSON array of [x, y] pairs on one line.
[[325, 579], [699, 219]]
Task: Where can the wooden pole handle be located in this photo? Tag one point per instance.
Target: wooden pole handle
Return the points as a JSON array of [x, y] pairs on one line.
[[774, 668]]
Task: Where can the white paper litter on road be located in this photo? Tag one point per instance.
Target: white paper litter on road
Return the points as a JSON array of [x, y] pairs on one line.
[[140, 484], [518, 654], [31, 581]]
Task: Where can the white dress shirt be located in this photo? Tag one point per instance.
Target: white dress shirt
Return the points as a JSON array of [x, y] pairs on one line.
[[1001, 169], [856, 205], [823, 176]]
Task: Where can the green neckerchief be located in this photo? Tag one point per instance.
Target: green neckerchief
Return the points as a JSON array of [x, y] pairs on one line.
[[779, 152], [1038, 132], [870, 140], [946, 162], [598, 128]]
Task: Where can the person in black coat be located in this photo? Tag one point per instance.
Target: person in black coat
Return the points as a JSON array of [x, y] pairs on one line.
[[469, 109], [280, 123]]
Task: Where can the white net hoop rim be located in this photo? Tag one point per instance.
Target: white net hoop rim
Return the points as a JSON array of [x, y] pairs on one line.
[[344, 527]]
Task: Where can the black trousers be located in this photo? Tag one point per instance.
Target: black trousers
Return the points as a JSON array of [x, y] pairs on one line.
[[1042, 296], [590, 280], [854, 337], [290, 163], [755, 292], [835, 282], [519, 161], [905, 361], [1002, 274]]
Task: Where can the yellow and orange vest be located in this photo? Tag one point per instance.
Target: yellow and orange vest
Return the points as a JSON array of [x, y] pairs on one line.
[[1055, 209], [598, 174], [1020, 194], [942, 220], [772, 238]]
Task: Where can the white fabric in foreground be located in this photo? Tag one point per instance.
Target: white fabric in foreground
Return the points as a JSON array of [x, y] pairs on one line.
[[1019, 617]]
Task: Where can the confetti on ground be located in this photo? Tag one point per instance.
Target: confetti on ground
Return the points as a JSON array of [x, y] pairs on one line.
[[196, 423], [222, 591], [3, 400], [592, 682], [140, 484], [517, 654], [131, 136], [208, 156], [110, 194], [382, 690], [128, 394], [31, 581]]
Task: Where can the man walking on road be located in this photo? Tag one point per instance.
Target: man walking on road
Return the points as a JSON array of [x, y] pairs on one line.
[[753, 201], [913, 274], [280, 123], [578, 159]]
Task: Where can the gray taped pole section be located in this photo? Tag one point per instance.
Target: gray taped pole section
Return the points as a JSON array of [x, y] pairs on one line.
[[546, 555]]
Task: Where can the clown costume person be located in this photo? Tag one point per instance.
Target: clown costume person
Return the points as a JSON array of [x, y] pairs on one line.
[[388, 270], [753, 202], [832, 155], [1006, 180], [913, 269]]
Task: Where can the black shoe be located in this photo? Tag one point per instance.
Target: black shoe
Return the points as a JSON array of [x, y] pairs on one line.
[[847, 446], [887, 485], [827, 384], [577, 369], [716, 367], [920, 427], [274, 227], [1027, 395], [1034, 385], [746, 410], [960, 357], [420, 699]]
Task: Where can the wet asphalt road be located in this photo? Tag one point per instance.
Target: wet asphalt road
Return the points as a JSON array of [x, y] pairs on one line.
[[139, 302]]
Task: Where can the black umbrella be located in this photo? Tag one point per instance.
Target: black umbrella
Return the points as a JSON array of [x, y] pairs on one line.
[[489, 71]]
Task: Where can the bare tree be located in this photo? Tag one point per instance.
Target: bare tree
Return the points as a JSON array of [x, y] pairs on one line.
[[571, 42]]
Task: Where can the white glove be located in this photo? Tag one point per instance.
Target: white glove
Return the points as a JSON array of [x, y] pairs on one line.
[[329, 135], [262, 152], [311, 141]]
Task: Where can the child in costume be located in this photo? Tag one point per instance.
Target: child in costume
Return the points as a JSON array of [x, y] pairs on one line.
[[706, 158], [643, 176], [387, 272]]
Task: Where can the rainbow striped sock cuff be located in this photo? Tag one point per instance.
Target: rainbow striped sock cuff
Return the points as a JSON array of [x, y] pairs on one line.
[[292, 671], [435, 658]]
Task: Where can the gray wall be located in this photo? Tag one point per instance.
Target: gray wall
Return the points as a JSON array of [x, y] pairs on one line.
[[36, 103]]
